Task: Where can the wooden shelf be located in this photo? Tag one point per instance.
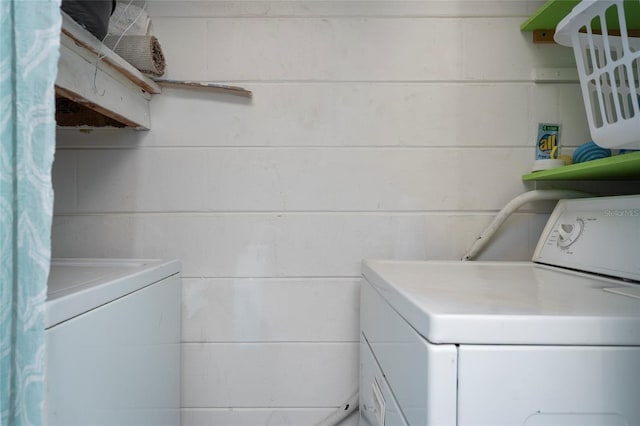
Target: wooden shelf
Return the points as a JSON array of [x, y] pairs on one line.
[[548, 16], [95, 87], [618, 167], [544, 21]]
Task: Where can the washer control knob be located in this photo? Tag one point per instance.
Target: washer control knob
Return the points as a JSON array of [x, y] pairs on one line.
[[568, 233]]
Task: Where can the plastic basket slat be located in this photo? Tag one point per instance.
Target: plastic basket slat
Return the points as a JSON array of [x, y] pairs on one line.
[[608, 67]]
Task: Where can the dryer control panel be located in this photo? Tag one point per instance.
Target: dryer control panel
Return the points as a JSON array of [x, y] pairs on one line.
[[600, 235]]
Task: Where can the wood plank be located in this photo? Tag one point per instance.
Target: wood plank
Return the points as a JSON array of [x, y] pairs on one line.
[[85, 40], [212, 87], [543, 36], [77, 80], [74, 114], [100, 67]]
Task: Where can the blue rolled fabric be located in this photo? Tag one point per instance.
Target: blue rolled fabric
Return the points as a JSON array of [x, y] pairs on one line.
[[590, 151]]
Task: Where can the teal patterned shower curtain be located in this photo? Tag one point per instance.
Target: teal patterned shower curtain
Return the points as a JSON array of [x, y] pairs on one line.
[[29, 49]]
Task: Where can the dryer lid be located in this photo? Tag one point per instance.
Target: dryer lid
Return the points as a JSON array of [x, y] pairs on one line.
[[506, 303]]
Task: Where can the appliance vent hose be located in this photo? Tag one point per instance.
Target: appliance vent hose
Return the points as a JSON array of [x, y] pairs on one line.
[[342, 412], [513, 205]]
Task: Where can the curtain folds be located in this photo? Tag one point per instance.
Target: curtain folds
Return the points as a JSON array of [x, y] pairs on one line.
[[29, 50]]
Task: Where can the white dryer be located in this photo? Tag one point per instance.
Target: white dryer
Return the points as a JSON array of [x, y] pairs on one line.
[[113, 343], [553, 342]]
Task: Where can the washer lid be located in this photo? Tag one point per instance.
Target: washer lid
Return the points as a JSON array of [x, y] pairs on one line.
[[76, 286], [506, 303]]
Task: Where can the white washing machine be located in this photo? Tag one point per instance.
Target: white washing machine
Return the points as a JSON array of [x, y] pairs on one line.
[[553, 342], [113, 343]]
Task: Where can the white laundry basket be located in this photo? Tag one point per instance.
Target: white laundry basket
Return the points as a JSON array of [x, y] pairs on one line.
[[608, 66]]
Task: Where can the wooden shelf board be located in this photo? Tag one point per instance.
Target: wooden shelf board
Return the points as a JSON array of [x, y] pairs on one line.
[[618, 167], [210, 87], [87, 44], [96, 79], [70, 113]]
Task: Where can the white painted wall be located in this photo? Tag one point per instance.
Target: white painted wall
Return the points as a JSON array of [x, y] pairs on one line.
[[388, 129]]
